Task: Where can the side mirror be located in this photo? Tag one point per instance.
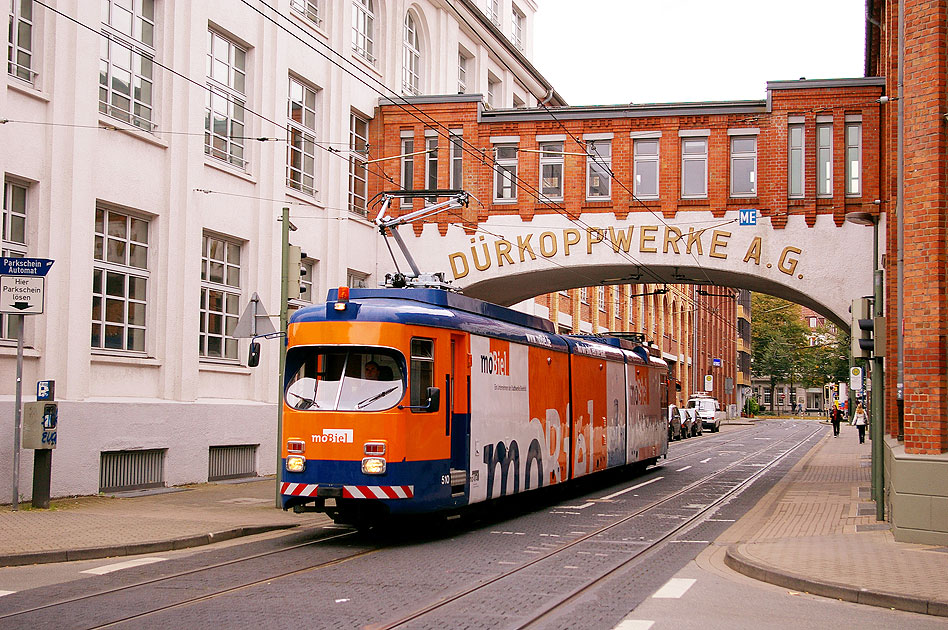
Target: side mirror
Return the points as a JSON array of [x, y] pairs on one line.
[[253, 360], [434, 399]]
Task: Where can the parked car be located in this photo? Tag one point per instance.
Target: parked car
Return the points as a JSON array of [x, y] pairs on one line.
[[687, 423], [694, 422], [709, 410], [674, 423]]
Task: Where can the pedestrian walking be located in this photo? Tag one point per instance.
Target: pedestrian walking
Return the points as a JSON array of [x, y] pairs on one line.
[[836, 416], [860, 419]]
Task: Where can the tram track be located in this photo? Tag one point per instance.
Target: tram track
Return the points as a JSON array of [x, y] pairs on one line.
[[272, 576], [639, 555]]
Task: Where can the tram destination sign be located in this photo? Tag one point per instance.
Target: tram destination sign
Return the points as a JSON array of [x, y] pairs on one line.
[[24, 266]]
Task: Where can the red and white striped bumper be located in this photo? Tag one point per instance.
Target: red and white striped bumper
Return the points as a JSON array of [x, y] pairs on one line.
[[351, 492]]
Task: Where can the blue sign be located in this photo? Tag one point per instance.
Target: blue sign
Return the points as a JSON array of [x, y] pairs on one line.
[[716, 362], [748, 216], [24, 266], [45, 390]]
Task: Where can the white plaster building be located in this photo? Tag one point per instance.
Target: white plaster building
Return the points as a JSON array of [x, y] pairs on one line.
[[148, 148]]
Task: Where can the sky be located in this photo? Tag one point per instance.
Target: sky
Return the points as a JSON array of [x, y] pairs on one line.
[[604, 52]]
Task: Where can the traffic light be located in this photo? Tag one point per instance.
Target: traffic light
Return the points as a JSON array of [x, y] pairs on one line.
[[867, 332], [295, 273]]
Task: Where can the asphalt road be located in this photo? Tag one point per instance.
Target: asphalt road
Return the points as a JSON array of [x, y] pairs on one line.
[[628, 551]]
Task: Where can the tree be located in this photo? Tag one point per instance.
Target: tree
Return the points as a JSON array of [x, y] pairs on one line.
[[828, 359], [778, 335]]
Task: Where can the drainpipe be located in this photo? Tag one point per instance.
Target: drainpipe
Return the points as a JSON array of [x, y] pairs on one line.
[[899, 207]]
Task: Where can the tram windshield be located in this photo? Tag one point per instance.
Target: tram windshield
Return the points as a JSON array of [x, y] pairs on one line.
[[344, 379]]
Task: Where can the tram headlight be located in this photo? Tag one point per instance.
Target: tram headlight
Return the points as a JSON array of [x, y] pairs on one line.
[[373, 465], [295, 464]]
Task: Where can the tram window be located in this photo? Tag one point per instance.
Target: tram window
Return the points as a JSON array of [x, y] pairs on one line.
[[344, 379], [422, 370]]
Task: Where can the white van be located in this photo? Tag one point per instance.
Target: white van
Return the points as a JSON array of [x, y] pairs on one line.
[[709, 410]]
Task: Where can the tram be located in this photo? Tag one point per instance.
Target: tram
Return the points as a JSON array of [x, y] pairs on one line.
[[405, 401]]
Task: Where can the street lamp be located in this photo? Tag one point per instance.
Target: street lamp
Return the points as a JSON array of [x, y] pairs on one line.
[[876, 431]]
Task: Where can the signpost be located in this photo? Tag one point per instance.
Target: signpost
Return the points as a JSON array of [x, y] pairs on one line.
[[747, 216], [22, 292]]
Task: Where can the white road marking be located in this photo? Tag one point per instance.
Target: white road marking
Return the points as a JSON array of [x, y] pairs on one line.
[[705, 461], [682, 469], [644, 483], [2, 593], [118, 566], [634, 624], [674, 588]]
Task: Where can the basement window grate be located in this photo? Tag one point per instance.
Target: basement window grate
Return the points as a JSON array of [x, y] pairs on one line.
[[232, 462], [131, 470]]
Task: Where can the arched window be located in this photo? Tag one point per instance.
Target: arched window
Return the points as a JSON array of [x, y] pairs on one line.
[[411, 58], [363, 29]]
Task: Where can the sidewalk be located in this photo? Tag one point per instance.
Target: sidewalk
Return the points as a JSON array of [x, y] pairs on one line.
[[816, 532], [131, 523]]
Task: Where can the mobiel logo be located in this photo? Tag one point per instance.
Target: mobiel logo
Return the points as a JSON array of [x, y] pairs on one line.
[[495, 361]]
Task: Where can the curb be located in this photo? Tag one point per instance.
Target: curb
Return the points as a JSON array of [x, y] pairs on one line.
[[108, 551], [739, 562]]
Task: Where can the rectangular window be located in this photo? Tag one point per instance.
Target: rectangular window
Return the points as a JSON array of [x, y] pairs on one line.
[[119, 281], [301, 137], [518, 22], [796, 159], [505, 172], [645, 165], [601, 297], [493, 11], [743, 166], [224, 132], [551, 170], [421, 375], [14, 242], [694, 167], [408, 168], [126, 63], [358, 155], [457, 160], [220, 297], [462, 73], [493, 92], [824, 160], [308, 9], [20, 40], [356, 280], [853, 159], [431, 165], [584, 295], [598, 169]]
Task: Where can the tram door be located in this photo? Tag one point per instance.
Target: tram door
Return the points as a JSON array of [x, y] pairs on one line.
[[458, 418]]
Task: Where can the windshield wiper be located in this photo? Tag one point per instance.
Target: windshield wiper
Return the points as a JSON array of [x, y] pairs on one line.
[[372, 399], [305, 403]]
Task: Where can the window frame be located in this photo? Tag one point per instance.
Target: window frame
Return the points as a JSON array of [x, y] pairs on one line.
[[431, 164], [358, 168], [640, 159], [456, 159], [551, 155], [796, 160], [824, 161], [233, 96], [309, 9], [739, 157], [505, 172], [517, 26], [231, 295], [417, 396], [301, 138], [140, 111], [849, 150], [103, 267], [462, 72], [701, 158], [363, 30], [407, 167], [595, 161], [411, 57], [15, 44], [13, 248]]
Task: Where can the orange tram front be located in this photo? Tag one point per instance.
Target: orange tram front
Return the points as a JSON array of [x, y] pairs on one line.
[[410, 400]]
